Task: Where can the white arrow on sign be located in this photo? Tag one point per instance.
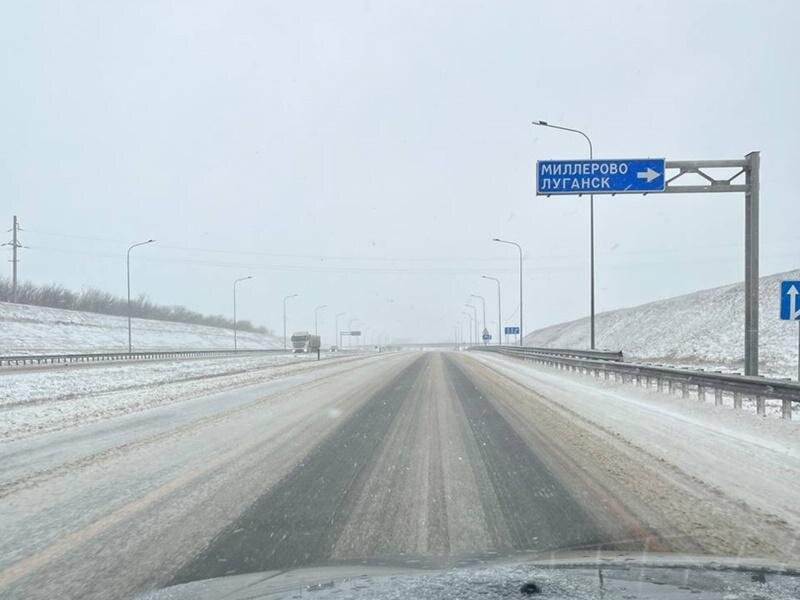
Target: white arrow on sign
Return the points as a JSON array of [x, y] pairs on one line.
[[648, 174], [793, 312]]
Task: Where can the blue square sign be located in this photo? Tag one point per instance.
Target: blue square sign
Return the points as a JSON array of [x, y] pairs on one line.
[[790, 306]]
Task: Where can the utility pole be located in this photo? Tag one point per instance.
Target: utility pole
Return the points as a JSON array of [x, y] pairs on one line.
[[14, 243]]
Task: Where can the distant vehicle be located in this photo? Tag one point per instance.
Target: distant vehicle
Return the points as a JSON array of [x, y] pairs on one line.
[[334, 348], [302, 341]]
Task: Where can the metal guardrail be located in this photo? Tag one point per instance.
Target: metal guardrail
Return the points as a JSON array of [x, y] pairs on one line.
[[611, 355], [759, 389], [22, 360]]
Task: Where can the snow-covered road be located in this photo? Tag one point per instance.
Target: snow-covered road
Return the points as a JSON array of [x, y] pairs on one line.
[[32, 401], [415, 455]]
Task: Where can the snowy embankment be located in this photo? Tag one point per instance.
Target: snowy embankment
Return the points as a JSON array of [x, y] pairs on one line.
[[28, 329], [704, 329]]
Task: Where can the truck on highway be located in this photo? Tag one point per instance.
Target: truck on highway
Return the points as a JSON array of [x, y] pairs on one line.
[[303, 341]]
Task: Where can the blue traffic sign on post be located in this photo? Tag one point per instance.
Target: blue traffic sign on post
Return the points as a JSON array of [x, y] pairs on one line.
[[487, 337], [512, 330], [603, 176], [790, 306]]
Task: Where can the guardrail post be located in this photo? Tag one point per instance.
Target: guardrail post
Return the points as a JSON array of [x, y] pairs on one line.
[[786, 409], [737, 400], [684, 390], [669, 386], [605, 375], [761, 406], [701, 393], [717, 397]]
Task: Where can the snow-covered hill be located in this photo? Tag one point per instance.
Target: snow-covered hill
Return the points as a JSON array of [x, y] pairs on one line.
[[28, 329], [704, 328]]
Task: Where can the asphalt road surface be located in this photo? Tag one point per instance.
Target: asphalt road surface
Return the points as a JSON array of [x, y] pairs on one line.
[[408, 457]]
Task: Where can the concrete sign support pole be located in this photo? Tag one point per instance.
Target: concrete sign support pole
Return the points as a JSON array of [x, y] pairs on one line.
[[751, 265]]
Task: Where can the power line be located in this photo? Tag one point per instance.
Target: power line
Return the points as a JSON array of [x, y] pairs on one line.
[[481, 259], [435, 269]]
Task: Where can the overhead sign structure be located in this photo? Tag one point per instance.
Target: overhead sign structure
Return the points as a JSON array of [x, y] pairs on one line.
[[644, 176], [790, 306], [512, 330], [602, 176]]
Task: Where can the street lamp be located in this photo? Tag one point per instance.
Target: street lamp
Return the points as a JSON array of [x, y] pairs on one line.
[[338, 334], [316, 313], [475, 322], [469, 322], [591, 226], [285, 298], [483, 304], [520, 281], [235, 343], [130, 345], [499, 314]]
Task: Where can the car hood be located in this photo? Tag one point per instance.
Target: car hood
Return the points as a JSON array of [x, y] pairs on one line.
[[608, 575]]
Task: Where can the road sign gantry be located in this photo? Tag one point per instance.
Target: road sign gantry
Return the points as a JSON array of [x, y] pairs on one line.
[[650, 175]]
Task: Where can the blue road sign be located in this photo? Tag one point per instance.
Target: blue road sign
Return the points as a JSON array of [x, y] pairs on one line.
[[606, 176], [487, 337], [512, 330], [790, 306]]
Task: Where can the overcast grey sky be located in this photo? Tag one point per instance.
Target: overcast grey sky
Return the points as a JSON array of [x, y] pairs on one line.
[[363, 154]]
